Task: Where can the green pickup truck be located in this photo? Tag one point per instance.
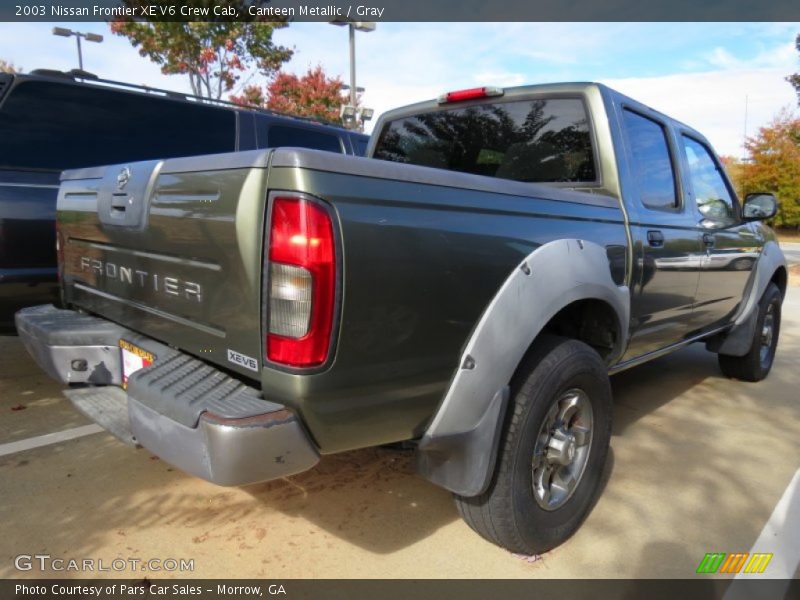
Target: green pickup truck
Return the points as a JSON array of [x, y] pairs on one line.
[[467, 288]]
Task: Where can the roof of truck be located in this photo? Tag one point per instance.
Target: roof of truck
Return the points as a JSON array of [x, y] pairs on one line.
[[509, 93]]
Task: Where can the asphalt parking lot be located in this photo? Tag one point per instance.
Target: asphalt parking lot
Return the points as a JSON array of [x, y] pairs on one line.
[[699, 464]]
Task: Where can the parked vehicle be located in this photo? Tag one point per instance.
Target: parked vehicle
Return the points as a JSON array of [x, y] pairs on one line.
[[51, 121], [469, 288]]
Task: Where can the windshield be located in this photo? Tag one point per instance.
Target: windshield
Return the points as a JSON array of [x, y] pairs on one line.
[[542, 140]]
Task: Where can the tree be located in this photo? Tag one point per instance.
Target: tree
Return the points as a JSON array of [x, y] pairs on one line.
[[774, 166], [795, 79], [8, 67], [312, 95], [213, 54]]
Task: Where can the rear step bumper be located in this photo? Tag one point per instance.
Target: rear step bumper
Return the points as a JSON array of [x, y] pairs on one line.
[[190, 414]]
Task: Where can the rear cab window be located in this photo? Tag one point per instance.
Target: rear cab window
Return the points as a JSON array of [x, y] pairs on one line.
[[544, 140], [55, 126]]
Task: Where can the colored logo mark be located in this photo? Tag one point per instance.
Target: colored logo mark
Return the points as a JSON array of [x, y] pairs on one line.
[[736, 562]]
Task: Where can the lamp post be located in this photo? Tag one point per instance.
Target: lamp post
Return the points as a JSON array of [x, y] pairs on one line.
[[89, 37], [351, 115]]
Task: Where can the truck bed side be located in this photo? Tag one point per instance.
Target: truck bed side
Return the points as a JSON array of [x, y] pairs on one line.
[[423, 253]]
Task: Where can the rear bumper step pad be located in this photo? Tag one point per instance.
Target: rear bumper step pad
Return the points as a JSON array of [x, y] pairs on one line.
[[192, 415], [107, 406]]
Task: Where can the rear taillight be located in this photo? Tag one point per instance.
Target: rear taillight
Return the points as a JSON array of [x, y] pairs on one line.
[[470, 94], [302, 282]]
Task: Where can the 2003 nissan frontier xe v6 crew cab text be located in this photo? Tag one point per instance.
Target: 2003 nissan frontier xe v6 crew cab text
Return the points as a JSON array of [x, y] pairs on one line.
[[468, 288]]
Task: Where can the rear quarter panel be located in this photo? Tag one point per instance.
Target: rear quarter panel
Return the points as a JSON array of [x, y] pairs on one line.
[[421, 263]]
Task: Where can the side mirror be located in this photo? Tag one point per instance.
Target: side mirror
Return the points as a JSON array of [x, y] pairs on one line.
[[758, 207]]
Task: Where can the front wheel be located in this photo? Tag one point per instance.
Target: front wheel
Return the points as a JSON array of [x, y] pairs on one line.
[[551, 457], [756, 364]]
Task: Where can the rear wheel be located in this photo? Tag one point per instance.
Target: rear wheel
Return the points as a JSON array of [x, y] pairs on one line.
[[756, 364], [551, 457]]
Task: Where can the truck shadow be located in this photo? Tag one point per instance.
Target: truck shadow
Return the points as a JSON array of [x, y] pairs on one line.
[[96, 497], [646, 388], [371, 498]]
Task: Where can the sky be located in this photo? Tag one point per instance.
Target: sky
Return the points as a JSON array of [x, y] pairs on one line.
[[724, 79]]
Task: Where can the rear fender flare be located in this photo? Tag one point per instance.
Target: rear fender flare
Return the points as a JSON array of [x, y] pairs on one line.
[[458, 449]]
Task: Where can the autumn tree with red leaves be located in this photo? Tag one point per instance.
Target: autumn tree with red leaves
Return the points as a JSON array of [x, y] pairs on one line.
[[214, 55], [773, 166], [313, 95]]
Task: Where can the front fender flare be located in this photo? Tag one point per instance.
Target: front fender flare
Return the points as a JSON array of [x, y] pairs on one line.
[[459, 447]]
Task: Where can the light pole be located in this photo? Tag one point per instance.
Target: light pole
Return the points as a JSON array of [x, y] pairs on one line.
[[90, 37], [351, 114]]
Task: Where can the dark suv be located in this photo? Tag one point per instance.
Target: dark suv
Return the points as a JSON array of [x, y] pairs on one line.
[[51, 121]]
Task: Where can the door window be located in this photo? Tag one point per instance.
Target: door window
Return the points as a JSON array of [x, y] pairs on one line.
[[714, 200]]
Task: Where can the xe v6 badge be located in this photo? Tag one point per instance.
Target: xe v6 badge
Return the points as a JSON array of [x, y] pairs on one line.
[[242, 360]]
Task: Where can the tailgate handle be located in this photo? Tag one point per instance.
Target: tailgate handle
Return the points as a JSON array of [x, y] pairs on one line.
[[119, 202]]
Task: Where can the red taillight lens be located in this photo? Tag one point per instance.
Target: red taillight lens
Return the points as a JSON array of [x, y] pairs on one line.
[[470, 94], [302, 283]]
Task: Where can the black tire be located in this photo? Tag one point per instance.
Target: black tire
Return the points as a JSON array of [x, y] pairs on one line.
[[757, 363], [508, 513]]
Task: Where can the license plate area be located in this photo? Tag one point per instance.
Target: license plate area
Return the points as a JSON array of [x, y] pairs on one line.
[[133, 359]]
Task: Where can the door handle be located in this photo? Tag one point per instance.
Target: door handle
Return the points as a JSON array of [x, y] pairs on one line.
[[708, 240], [655, 238]]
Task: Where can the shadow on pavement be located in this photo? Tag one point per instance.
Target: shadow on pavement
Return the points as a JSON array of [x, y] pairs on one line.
[[686, 441]]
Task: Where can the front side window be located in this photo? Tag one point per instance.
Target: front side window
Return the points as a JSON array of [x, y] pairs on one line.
[[543, 140], [652, 165], [714, 200]]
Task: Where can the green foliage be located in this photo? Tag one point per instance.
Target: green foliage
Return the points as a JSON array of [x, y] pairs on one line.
[[774, 166], [214, 54], [8, 67], [795, 78]]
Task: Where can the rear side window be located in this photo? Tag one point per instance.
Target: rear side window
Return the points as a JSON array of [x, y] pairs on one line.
[[543, 140], [652, 166], [301, 137], [46, 125]]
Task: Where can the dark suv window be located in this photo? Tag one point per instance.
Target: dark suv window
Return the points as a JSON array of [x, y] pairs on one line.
[[360, 145], [45, 125], [543, 140], [652, 166], [300, 137]]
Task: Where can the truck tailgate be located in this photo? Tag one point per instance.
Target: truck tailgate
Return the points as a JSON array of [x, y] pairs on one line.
[[172, 249]]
